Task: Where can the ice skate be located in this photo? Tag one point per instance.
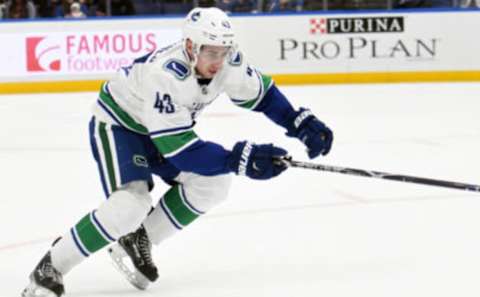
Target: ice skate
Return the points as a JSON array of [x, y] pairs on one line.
[[131, 255], [45, 280]]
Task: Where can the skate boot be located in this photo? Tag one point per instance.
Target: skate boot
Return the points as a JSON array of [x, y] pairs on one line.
[[132, 256], [45, 280]]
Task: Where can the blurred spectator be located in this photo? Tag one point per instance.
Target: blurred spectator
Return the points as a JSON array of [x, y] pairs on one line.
[[441, 3], [315, 4], [285, 5], [118, 8], [176, 6], [83, 6], [204, 3], [76, 11], [3, 9], [469, 3], [146, 7], [44, 8], [149, 7], [422, 4], [20, 9], [244, 6], [225, 5], [60, 8], [409, 3], [346, 4]]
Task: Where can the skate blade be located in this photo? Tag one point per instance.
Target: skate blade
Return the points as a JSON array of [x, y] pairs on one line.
[[33, 290], [118, 256]]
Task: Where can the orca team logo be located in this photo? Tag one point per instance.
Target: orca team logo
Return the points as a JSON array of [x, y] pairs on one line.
[[356, 25], [195, 16], [42, 55], [140, 161]]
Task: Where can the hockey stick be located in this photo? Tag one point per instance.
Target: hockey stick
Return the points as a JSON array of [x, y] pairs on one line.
[[381, 175]]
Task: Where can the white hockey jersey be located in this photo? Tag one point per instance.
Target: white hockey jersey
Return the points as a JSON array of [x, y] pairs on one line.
[[159, 95]]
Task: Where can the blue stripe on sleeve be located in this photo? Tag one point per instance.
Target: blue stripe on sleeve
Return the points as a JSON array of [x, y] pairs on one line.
[[276, 107], [203, 157]]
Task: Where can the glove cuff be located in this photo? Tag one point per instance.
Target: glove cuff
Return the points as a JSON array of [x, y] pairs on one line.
[[296, 119], [301, 117], [240, 156]]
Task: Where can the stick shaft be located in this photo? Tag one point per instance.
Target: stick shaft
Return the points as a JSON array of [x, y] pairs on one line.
[[386, 175]]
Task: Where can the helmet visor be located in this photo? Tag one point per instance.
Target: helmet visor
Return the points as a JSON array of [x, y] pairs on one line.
[[213, 53]]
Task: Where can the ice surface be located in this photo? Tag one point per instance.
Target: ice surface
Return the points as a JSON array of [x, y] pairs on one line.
[[305, 233]]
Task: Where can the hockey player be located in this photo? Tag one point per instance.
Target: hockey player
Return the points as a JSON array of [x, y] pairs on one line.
[[143, 124]]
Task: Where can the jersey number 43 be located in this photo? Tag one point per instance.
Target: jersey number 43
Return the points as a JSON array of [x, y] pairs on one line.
[[164, 103]]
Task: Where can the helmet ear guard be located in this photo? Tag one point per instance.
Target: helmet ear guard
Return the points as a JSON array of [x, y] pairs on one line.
[[207, 26]]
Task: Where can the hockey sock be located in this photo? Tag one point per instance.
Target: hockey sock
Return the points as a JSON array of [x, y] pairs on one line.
[[122, 213], [83, 239], [173, 213]]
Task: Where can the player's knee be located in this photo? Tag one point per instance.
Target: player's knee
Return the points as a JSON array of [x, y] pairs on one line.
[[138, 188], [205, 192], [124, 211]]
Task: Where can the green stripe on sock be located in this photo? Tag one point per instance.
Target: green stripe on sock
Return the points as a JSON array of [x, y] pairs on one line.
[[124, 117], [108, 156], [170, 143], [177, 207], [90, 237]]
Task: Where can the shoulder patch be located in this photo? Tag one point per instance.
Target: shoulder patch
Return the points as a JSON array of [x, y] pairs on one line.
[[236, 59], [178, 68]]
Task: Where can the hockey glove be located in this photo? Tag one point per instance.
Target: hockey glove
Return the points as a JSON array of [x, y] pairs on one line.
[[256, 160], [311, 131]]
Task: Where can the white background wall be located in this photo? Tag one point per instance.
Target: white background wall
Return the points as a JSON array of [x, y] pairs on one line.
[[92, 49]]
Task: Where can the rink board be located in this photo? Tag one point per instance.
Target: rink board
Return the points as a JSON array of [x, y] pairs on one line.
[[59, 56]]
